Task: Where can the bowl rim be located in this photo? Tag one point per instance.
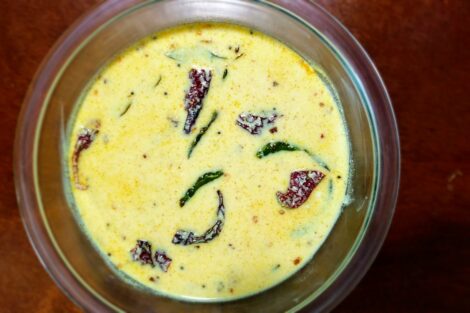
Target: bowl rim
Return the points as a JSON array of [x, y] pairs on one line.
[[363, 71]]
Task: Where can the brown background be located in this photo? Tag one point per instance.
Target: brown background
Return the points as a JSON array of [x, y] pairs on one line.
[[421, 47]]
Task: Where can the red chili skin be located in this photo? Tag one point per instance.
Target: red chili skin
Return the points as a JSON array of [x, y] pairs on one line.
[[301, 186], [254, 124], [142, 252], [185, 237], [162, 259], [200, 83], [85, 138]]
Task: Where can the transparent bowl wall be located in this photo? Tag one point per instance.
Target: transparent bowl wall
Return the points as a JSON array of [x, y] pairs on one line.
[[68, 255]]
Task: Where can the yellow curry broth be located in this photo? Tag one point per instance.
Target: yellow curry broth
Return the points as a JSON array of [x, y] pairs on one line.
[[137, 168]]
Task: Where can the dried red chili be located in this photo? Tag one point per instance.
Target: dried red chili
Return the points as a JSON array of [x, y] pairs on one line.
[[200, 83], [255, 124], [142, 252], [185, 237], [162, 259], [85, 138], [301, 186]]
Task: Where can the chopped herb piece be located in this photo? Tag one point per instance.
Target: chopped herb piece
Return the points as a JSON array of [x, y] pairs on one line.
[[200, 82], [179, 65], [330, 186], [172, 55], [142, 252], [237, 49], [317, 159], [220, 286], [277, 146], [162, 260], [174, 122], [213, 55], [255, 124], [239, 56], [126, 109], [85, 138], [225, 74], [202, 132], [301, 186], [276, 267], [165, 93], [275, 84], [159, 80], [191, 54], [251, 32], [201, 181], [185, 237]]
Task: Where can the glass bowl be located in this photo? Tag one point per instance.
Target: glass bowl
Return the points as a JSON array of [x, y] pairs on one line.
[[55, 234]]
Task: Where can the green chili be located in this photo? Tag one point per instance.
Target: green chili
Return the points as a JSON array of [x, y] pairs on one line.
[[202, 132], [201, 181], [278, 146]]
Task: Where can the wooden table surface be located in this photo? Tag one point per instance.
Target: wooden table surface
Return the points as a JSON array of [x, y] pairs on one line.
[[421, 48]]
